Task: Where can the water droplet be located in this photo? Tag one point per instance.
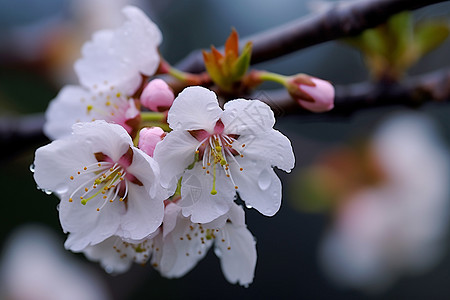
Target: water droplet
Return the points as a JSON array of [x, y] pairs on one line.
[[57, 207], [48, 192], [264, 179], [32, 168], [248, 206], [109, 269]]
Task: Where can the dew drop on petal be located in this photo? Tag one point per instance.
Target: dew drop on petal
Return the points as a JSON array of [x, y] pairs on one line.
[[57, 207], [48, 192], [32, 168], [248, 206], [264, 179], [109, 269]]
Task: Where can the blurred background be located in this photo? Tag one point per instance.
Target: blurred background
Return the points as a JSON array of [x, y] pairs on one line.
[[364, 213]]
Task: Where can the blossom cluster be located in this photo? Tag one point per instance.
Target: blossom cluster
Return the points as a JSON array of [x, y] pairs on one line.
[[131, 192]]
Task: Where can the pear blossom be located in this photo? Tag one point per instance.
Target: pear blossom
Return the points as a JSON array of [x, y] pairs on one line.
[[157, 95], [107, 186], [110, 71], [400, 225], [220, 152], [185, 243]]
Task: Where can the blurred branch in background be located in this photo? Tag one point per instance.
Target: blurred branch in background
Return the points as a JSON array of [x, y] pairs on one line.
[[340, 21]]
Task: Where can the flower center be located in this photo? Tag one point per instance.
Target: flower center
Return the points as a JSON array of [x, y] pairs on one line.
[[108, 180], [217, 150]]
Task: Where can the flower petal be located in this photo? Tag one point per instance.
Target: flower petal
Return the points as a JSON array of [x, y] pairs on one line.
[[194, 108], [259, 186], [144, 214], [196, 198], [181, 254], [237, 254], [117, 58], [247, 117], [100, 136], [86, 225], [68, 108], [174, 154], [110, 259], [272, 147]]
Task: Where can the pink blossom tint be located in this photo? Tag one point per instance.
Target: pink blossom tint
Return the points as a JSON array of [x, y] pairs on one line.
[[157, 95], [322, 94], [149, 137]]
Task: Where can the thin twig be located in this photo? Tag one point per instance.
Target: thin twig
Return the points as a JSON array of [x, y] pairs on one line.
[[341, 21]]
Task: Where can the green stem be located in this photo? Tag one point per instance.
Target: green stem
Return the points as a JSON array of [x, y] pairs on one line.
[[151, 116], [269, 76]]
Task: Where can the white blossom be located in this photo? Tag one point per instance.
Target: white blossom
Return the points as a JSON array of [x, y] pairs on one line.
[[106, 185], [220, 152]]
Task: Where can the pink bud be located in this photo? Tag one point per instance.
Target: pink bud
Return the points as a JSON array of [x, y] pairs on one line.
[[319, 97], [157, 95], [149, 137]]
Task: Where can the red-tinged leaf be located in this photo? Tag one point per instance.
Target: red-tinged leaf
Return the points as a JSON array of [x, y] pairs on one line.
[[232, 44]]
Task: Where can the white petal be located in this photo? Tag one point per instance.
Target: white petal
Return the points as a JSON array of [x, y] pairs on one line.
[[239, 260], [106, 253], [196, 198], [99, 136], [118, 57], [259, 186], [194, 108], [57, 161], [174, 154], [144, 214], [86, 225], [68, 108], [181, 255], [272, 147], [247, 117]]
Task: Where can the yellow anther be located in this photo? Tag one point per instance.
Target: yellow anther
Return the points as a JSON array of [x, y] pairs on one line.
[[242, 155], [218, 148], [71, 177], [111, 200], [99, 164], [236, 187], [243, 145], [241, 169], [121, 199], [98, 209], [89, 108], [86, 189], [79, 172], [70, 199], [85, 168], [108, 103], [118, 95]]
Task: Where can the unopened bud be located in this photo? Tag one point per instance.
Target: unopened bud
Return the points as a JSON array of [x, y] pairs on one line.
[[149, 137], [157, 95], [312, 93]]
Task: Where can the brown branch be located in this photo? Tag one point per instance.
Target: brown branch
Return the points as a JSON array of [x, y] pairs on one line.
[[341, 21]]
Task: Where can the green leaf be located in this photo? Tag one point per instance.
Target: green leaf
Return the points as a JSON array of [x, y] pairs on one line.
[[429, 35], [242, 64]]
